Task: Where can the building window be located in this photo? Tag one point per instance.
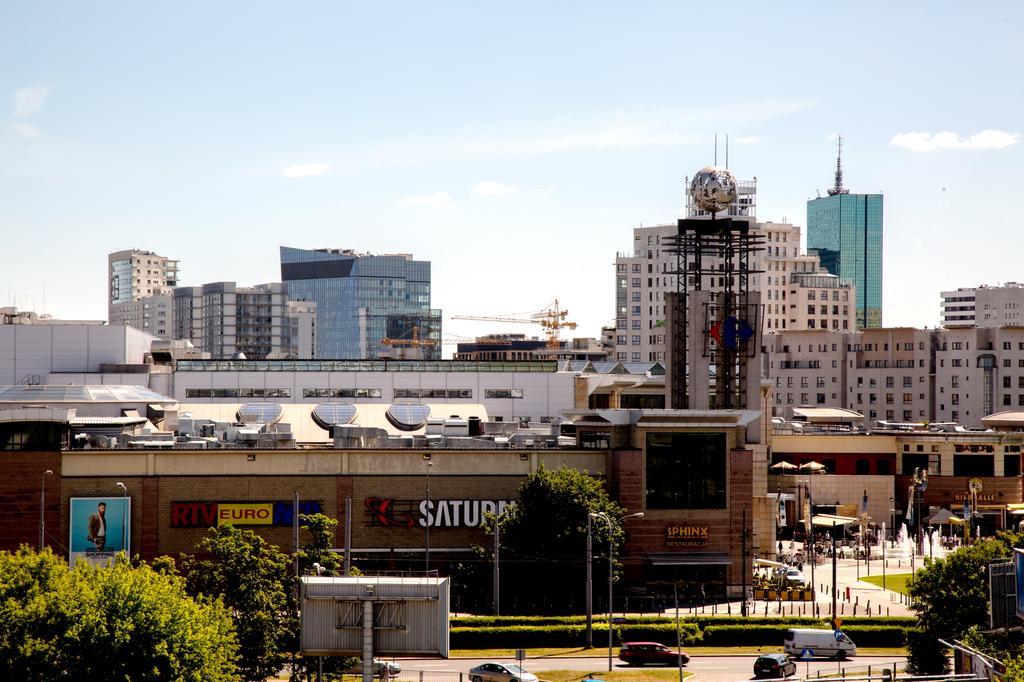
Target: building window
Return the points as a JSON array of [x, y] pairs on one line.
[[686, 471], [973, 465]]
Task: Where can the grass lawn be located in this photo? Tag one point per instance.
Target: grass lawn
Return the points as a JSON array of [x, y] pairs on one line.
[[643, 675], [895, 582]]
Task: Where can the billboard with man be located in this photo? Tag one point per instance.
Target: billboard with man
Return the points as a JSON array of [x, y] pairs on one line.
[[100, 528]]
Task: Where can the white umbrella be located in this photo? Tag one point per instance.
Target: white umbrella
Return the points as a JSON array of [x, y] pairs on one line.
[[813, 467], [783, 466]]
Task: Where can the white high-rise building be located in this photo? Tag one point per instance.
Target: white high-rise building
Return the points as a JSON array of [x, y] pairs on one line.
[[133, 275], [984, 306]]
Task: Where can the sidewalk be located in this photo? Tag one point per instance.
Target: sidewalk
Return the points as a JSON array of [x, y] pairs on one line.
[[865, 599]]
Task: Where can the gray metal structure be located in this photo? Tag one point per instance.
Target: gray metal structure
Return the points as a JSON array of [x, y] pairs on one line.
[[714, 332], [374, 615]]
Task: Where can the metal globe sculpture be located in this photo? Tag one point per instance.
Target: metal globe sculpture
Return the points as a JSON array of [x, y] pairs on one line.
[[713, 188]]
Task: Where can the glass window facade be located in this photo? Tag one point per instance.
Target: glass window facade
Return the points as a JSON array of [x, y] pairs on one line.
[[121, 281], [846, 232], [686, 471], [362, 299]]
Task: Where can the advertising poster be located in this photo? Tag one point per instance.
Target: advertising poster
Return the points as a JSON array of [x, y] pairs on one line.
[[100, 528]]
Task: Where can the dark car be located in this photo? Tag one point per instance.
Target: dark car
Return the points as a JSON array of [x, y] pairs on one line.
[[642, 653], [774, 665]]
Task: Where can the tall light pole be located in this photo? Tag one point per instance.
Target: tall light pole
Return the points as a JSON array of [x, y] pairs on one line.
[[42, 510], [124, 517], [590, 581], [497, 568], [429, 520], [611, 569]]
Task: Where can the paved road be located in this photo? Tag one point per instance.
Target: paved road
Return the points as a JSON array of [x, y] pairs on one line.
[[707, 668]]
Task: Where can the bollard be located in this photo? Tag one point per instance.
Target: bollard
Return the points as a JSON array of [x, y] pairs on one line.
[[855, 609]]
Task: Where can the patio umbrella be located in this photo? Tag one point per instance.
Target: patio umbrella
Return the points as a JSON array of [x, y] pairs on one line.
[[813, 467], [783, 466]]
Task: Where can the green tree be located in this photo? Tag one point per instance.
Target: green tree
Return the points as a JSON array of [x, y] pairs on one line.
[[252, 578], [321, 530], [950, 596], [544, 537], [119, 624]]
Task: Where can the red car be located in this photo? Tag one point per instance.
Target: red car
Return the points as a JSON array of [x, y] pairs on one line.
[[641, 653]]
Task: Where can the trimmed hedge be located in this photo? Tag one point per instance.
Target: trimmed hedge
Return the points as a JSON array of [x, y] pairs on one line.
[[537, 636], [747, 634], [772, 635], [510, 621], [701, 621]]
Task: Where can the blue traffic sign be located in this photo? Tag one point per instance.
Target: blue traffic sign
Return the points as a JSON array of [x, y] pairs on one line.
[[807, 654]]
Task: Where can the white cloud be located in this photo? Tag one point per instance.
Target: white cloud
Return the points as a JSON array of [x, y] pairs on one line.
[[542, 192], [927, 142], [489, 188], [305, 170], [431, 199], [749, 139], [30, 100], [26, 131]]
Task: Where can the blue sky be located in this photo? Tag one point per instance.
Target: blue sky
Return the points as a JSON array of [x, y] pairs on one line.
[[514, 145]]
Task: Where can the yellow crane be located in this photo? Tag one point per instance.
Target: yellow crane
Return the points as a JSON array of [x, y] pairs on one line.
[[413, 342], [551, 319]]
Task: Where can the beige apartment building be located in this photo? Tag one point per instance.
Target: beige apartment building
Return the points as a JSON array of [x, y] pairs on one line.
[[983, 306], [899, 374]]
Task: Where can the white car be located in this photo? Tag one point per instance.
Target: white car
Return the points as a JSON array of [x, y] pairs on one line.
[[500, 672], [380, 666], [795, 576]]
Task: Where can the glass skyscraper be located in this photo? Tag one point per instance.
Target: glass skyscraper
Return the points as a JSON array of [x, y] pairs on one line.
[[363, 298], [846, 231]]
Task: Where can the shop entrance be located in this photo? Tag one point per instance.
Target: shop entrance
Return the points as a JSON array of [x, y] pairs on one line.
[[697, 583]]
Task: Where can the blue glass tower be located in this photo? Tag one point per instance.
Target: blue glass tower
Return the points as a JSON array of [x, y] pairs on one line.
[[846, 231], [361, 299]]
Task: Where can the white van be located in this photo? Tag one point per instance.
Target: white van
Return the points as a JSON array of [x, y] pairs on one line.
[[823, 643]]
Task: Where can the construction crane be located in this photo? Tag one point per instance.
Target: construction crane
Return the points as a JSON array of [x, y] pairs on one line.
[[551, 319], [413, 342]]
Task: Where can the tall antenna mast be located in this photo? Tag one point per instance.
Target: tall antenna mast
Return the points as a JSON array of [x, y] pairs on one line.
[[839, 189]]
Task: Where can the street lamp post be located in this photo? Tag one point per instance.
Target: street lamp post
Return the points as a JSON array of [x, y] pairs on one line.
[[124, 517], [429, 520], [812, 555], [590, 581], [611, 569], [497, 566], [42, 508]]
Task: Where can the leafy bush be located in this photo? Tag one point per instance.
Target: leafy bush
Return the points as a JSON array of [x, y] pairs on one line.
[[924, 655]]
